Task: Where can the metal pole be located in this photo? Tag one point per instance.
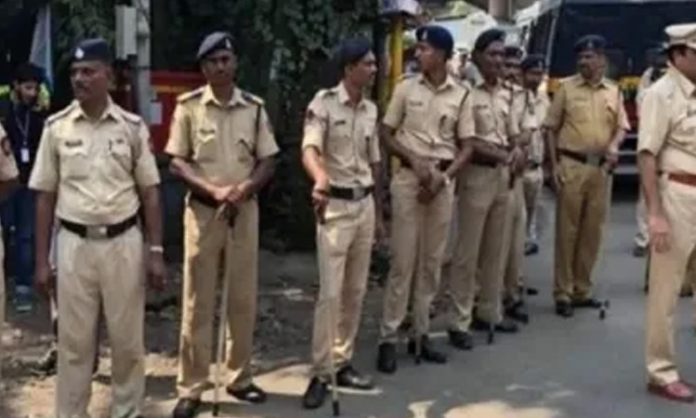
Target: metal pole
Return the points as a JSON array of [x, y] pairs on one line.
[[143, 82]]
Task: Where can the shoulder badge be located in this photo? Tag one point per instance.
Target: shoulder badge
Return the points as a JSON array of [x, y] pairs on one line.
[[61, 113], [251, 98], [190, 95]]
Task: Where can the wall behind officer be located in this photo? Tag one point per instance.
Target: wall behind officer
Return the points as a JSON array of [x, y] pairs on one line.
[[586, 125], [23, 120], [428, 126], [94, 170], [667, 162], [341, 154], [484, 199], [222, 147]]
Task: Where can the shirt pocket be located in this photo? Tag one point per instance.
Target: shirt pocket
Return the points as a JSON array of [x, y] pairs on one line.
[[447, 121], [339, 138], [484, 119], [366, 138], [580, 110], [244, 149], [120, 154], [74, 161], [416, 113], [205, 145]]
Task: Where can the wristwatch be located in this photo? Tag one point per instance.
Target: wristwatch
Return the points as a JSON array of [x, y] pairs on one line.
[[158, 249]]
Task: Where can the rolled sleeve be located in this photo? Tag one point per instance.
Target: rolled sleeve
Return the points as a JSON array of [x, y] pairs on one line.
[[554, 116], [316, 122], [397, 107], [374, 151], [44, 176], [179, 143], [145, 172], [266, 145], [515, 117], [654, 126], [466, 126], [623, 122]]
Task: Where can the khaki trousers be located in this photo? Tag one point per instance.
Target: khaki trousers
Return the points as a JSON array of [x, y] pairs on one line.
[[344, 246], [418, 240], [667, 273], [107, 273], [533, 184], [484, 200], [515, 254], [580, 215], [213, 250]]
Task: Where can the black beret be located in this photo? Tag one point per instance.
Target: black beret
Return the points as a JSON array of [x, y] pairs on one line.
[[487, 37], [351, 51], [533, 61], [513, 51], [95, 49], [438, 37], [216, 41], [28, 72], [590, 43]]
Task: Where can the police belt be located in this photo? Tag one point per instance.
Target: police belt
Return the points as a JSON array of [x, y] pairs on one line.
[[100, 231], [683, 178], [205, 200], [482, 161], [350, 193], [589, 159], [441, 165]]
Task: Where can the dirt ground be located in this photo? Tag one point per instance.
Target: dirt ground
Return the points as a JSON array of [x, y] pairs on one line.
[[288, 284]]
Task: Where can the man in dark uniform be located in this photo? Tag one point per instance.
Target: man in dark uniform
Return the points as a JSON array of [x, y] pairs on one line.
[[23, 120]]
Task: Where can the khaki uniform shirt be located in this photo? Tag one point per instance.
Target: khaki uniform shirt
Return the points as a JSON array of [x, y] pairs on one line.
[[95, 167], [345, 136], [223, 141], [668, 123], [429, 120], [586, 117], [535, 106], [496, 112], [8, 166]]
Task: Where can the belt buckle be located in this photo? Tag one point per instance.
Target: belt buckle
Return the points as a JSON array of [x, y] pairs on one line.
[[97, 232], [357, 193]]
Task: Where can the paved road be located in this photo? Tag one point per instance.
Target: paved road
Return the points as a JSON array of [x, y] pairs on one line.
[[556, 368]]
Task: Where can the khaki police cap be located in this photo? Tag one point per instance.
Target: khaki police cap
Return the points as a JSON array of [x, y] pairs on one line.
[[682, 34]]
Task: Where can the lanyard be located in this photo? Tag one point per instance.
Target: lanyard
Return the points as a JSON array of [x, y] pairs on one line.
[[23, 129]]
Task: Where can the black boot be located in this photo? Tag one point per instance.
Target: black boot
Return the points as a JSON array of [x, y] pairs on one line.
[[427, 352], [518, 312], [315, 395], [386, 358], [461, 340], [564, 309], [186, 408], [348, 377]]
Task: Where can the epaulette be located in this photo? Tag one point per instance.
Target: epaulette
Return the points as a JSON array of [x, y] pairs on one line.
[[190, 95], [130, 117], [327, 92], [251, 98], [61, 113]]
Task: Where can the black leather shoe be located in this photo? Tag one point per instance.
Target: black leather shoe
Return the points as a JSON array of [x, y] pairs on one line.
[[564, 309], [531, 291], [48, 364], [386, 358], [315, 395], [506, 326], [589, 303], [518, 312], [461, 340], [531, 248], [428, 353], [640, 251], [348, 377], [251, 393], [186, 408]]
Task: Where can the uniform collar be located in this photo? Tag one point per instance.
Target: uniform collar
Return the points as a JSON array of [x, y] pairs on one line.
[[684, 83], [603, 82], [449, 82], [209, 97], [479, 82], [344, 98], [111, 111]]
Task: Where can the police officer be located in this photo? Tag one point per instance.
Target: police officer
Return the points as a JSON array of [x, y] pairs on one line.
[[222, 147], [427, 127], [341, 154], [667, 161], [512, 73], [533, 70], [8, 181], [484, 199], [587, 123], [23, 120], [94, 170]]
